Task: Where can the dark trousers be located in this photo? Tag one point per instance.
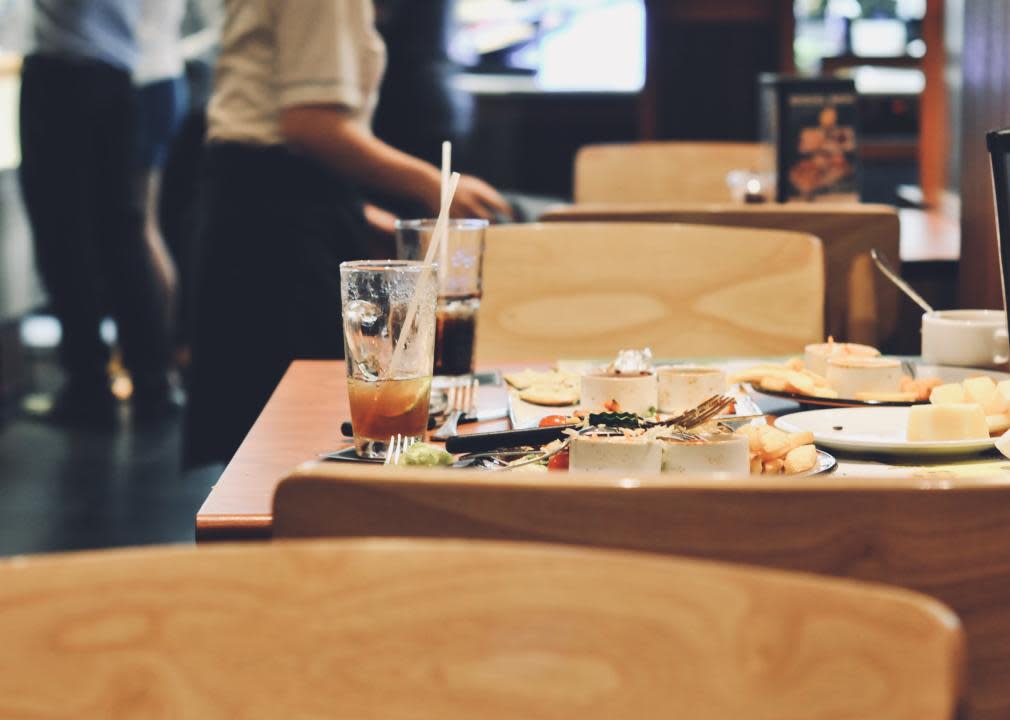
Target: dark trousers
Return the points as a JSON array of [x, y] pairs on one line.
[[78, 169], [275, 227]]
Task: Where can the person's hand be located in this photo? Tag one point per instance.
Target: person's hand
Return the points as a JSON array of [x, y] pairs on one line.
[[381, 221], [476, 199]]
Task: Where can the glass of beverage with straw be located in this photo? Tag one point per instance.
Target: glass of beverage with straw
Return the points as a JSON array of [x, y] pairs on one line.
[[389, 337], [460, 261]]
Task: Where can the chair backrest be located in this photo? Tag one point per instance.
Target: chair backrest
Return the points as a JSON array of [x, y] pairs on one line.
[[860, 305], [946, 537], [415, 629], [662, 171], [589, 289]]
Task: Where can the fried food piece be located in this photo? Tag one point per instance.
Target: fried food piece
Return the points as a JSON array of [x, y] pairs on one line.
[[773, 467], [553, 395], [774, 383], [800, 383], [778, 444], [800, 459]]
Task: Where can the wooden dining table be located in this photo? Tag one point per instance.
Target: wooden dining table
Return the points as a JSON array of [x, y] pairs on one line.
[[301, 423]]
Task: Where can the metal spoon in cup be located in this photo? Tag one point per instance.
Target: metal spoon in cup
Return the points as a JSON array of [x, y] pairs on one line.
[[885, 267]]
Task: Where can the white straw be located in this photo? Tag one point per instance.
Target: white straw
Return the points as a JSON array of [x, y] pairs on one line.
[[446, 170], [437, 239], [443, 255]]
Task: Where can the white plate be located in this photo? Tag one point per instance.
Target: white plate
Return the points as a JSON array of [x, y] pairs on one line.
[[873, 430]]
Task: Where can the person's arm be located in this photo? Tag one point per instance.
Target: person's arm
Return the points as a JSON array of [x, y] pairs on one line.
[[328, 133]]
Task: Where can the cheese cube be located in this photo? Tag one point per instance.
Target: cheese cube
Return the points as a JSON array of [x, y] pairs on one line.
[[1003, 389], [945, 394], [953, 421], [998, 424], [982, 390]]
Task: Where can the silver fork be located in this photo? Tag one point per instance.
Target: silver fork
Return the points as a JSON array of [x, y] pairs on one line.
[[398, 444], [461, 401]]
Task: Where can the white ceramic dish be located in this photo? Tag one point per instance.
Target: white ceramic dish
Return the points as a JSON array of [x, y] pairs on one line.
[[873, 430]]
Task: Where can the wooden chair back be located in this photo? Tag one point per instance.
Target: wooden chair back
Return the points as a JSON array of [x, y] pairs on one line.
[[860, 304], [425, 629], [589, 289], [946, 537], [662, 171]]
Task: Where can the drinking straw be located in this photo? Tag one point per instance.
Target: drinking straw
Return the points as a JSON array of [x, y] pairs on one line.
[[437, 239], [446, 169], [443, 255]]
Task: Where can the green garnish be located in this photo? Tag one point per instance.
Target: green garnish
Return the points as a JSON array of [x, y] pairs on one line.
[[425, 455]]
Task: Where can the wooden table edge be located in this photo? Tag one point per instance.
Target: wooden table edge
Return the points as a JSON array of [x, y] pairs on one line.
[[217, 528]]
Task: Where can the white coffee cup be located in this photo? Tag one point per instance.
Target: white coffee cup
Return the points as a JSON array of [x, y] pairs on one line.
[[966, 338], [682, 388]]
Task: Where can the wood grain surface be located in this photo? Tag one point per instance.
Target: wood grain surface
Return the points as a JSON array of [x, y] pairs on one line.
[[860, 304], [423, 629], [585, 289], [662, 171], [944, 536], [300, 422]]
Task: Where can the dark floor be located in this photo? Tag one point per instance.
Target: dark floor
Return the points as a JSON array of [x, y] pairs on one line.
[[63, 489]]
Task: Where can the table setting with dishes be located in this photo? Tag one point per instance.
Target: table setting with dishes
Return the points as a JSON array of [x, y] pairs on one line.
[[415, 397]]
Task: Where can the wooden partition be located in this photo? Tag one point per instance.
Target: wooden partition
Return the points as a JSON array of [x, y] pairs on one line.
[[582, 289], [860, 304], [454, 630], [662, 172], [943, 536]]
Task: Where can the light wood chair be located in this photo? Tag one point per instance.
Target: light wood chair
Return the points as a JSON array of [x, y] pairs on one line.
[[860, 304], [947, 537], [589, 289], [662, 171], [425, 629]]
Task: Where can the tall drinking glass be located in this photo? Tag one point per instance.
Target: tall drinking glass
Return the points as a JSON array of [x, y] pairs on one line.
[[388, 376], [459, 287]]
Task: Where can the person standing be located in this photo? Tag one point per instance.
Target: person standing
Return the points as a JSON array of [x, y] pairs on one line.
[[162, 102], [78, 170], [290, 149]]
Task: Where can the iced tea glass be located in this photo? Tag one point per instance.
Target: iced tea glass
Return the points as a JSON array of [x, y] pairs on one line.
[[459, 286], [389, 390]]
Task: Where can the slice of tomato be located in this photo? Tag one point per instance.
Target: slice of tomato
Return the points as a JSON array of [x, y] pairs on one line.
[[553, 420], [559, 461]]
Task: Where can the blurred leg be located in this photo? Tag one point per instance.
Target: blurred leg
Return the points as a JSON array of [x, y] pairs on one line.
[[57, 176], [137, 300]]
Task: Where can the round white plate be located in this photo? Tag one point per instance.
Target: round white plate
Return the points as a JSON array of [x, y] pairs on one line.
[[873, 430]]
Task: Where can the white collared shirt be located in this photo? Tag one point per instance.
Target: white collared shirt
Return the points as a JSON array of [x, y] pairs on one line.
[[284, 53]]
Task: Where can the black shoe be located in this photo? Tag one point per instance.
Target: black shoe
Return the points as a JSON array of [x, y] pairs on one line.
[[77, 404]]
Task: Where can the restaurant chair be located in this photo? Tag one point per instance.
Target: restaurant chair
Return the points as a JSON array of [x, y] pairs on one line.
[[428, 629], [693, 172], [580, 290], [944, 536], [860, 304]]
